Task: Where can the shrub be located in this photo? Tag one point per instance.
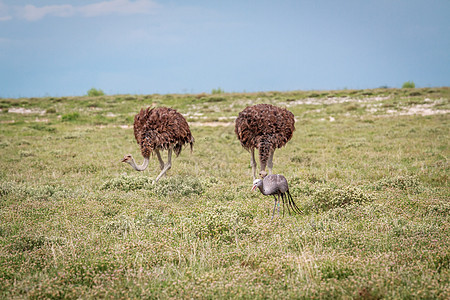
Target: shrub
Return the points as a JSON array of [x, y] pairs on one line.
[[27, 243], [4, 144], [178, 185], [93, 92], [217, 91], [406, 183], [5, 105], [70, 117], [25, 153], [14, 189], [440, 209], [155, 217], [40, 192], [408, 85], [45, 192], [221, 223], [326, 198], [127, 183], [301, 159], [122, 226], [42, 127], [216, 99], [331, 269]]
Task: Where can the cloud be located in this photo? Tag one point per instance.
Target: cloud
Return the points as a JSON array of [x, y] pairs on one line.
[[33, 13], [123, 7], [102, 8], [4, 14]]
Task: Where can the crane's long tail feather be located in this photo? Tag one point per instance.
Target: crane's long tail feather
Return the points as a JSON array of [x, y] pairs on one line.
[[285, 202], [292, 203]]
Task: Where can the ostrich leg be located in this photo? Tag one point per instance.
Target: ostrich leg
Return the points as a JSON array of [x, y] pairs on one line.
[[270, 161], [253, 163], [161, 162], [263, 159], [166, 166]]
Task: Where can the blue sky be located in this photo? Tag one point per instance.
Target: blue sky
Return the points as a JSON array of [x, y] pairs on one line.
[[64, 48]]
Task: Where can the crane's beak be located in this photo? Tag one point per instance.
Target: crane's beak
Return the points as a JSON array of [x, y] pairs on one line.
[[123, 159]]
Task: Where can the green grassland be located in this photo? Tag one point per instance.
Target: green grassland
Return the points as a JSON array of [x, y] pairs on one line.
[[369, 169]]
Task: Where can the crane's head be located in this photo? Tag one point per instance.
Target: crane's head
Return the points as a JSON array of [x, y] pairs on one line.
[[256, 183], [127, 158]]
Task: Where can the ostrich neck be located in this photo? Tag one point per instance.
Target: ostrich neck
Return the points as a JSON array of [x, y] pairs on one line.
[[141, 167]]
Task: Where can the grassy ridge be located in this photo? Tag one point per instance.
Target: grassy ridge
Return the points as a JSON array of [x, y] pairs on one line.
[[368, 167]]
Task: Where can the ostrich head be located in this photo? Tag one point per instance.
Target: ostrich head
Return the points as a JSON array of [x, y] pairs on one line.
[[127, 159], [263, 174], [257, 183], [130, 160]]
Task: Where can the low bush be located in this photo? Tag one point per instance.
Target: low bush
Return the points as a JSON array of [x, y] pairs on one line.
[[217, 91], [93, 92], [127, 183], [40, 192], [25, 153], [221, 223], [122, 226], [70, 117], [27, 243], [154, 217], [405, 183], [325, 198], [408, 85], [178, 185], [332, 269]]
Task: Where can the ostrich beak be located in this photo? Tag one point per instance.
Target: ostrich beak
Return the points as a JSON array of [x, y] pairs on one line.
[[254, 187], [123, 159]]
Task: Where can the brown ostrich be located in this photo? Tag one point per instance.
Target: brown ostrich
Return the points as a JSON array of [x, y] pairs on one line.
[[264, 127], [158, 129]]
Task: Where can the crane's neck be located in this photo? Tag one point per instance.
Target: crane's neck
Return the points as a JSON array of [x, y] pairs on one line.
[[261, 188], [141, 167]]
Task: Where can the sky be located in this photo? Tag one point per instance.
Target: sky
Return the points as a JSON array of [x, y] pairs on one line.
[[64, 48]]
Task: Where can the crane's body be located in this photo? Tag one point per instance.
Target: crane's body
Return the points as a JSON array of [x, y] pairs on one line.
[[276, 185]]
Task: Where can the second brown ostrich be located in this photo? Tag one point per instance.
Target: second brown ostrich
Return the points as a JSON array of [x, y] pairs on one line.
[[264, 127], [157, 129]]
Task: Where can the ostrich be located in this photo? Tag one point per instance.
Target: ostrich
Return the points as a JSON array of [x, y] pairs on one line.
[[276, 185], [158, 129], [266, 128]]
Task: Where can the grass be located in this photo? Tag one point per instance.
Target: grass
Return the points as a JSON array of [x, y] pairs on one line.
[[372, 182]]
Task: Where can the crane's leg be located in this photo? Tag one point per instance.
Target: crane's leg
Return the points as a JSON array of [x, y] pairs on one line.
[[270, 161], [279, 205], [161, 162], [253, 163], [166, 166], [273, 212]]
